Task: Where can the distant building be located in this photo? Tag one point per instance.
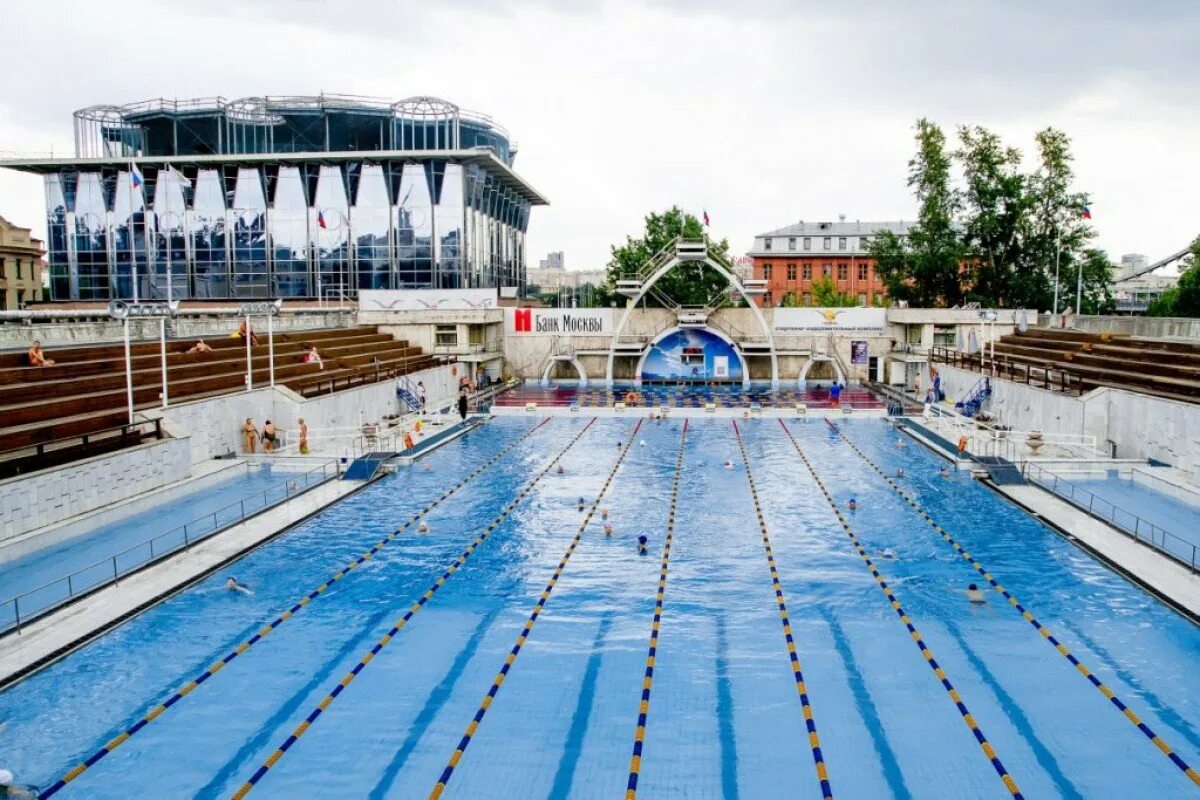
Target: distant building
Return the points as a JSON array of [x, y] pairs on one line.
[[20, 266], [789, 259], [553, 261], [552, 274], [1134, 292]]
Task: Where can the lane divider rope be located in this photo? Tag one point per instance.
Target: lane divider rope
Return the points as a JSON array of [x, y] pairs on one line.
[[349, 677], [959, 704], [299, 605], [473, 726], [639, 735], [814, 741], [1028, 616]]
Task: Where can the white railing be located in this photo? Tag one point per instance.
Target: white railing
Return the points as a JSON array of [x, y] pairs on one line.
[[1010, 444]]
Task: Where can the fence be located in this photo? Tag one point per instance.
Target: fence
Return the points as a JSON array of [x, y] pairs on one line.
[[23, 608], [1131, 524], [1044, 376]]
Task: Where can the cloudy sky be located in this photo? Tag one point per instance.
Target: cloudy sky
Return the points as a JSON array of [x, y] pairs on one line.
[[762, 111]]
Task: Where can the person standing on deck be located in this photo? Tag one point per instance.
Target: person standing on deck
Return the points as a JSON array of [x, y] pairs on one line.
[[249, 435], [421, 396], [462, 402], [303, 436], [835, 394]]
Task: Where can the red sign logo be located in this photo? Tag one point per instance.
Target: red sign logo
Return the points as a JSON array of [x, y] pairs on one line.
[[523, 320]]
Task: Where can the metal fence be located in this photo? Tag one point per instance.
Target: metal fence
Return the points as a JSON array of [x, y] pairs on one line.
[[27, 606], [1140, 529]]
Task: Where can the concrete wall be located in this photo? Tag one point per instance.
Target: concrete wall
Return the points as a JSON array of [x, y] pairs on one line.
[[1149, 327], [1141, 426], [44, 498], [17, 334]]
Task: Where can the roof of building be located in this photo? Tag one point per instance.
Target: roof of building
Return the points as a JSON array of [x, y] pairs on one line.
[[841, 228]]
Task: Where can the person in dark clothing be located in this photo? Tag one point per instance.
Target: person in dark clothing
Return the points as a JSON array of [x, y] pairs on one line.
[[462, 404]]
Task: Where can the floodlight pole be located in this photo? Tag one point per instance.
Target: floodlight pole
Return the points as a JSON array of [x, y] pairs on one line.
[[128, 371], [249, 363], [162, 349]]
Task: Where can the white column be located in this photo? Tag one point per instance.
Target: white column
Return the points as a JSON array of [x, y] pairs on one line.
[[271, 350], [249, 360]]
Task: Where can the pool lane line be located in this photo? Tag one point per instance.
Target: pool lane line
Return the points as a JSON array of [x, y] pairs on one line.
[[814, 741], [349, 677], [263, 632], [953, 693], [538, 607], [1028, 616], [639, 734]]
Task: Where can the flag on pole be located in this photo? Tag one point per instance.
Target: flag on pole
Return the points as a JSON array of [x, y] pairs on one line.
[[180, 177], [706, 223], [135, 176], [321, 219], [1085, 212]]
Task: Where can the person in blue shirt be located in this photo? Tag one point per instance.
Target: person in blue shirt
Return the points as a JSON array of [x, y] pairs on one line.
[[835, 394]]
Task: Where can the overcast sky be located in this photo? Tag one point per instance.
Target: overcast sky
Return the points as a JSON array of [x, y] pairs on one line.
[[762, 111]]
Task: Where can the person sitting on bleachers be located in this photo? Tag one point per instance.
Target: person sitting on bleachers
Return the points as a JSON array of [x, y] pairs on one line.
[[313, 357], [199, 347], [244, 330], [37, 358]]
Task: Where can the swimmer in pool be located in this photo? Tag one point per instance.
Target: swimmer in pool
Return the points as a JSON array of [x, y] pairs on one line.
[[423, 527], [604, 513], [642, 545], [900, 444], [426, 467], [728, 465], [560, 469], [888, 554], [581, 504], [608, 531], [945, 473], [9, 788], [975, 595], [900, 473], [233, 585], [852, 505]]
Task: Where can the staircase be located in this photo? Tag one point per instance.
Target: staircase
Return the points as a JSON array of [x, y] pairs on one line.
[[971, 405], [407, 392]]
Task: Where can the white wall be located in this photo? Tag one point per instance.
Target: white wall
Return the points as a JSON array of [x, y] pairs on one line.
[[45, 498]]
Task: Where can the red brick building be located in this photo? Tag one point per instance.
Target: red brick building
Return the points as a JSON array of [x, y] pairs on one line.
[[790, 259]]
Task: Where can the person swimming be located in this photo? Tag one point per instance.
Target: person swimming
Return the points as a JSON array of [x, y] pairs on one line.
[[9, 788], [642, 545], [945, 473], [560, 469], [975, 594], [728, 465], [900, 444], [604, 513], [900, 473], [608, 530], [888, 554], [233, 585], [423, 527], [581, 504], [852, 505]]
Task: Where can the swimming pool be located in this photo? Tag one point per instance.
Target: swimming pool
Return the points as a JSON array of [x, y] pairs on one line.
[[527, 671]]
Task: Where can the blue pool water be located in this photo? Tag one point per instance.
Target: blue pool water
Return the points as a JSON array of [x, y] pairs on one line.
[[87, 555], [1177, 517], [724, 719]]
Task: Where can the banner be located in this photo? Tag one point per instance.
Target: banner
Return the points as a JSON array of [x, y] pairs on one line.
[[806, 320], [859, 353], [559, 321], [691, 354], [426, 299]]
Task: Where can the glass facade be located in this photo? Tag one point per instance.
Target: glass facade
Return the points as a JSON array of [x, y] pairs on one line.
[[365, 195]]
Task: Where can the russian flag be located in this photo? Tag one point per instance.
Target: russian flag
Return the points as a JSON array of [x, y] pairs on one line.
[[135, 176], [706, 223], [1086, 212], [321, 220]]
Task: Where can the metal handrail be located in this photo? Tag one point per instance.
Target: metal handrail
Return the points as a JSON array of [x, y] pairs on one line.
[[185, 536], [1141, 529]]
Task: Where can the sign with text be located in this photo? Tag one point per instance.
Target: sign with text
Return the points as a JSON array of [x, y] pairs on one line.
[[427, 299], [559, 321], [807, 320], [859, 354]]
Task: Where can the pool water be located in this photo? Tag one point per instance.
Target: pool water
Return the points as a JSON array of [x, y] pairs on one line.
[[1178, 517], [88, 555], [724, 717]]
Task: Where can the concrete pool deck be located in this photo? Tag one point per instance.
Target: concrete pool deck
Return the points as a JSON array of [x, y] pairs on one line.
[[50, 637]]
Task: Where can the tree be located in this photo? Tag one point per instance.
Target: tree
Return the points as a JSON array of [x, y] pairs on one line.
[[1097, 283], [790, 300], [1184, 299], [994, 203], [826, 295], [687, 284], [925, 268]]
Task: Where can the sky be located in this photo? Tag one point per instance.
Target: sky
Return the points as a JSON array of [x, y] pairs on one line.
[[763, 112]]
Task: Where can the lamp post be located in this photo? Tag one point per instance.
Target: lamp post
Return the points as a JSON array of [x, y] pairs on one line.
[[119, 309], [268, 309]]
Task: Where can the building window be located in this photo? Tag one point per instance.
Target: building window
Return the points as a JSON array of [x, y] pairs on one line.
[[862, 298], [842, 270], [828, 242], [865, 242], [767, 244], [828, 270], [446, 335], [841, 243], [766, 272], [807, 243], [807, 272], [791, 272], [792, 243], [862, 272]]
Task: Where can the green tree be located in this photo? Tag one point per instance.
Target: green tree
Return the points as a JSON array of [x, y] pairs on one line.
[[994, 204], [790, 300], [1055, 232], [1184, 299], [826, 295], [686, 284], [1097, 283], [925, 268]]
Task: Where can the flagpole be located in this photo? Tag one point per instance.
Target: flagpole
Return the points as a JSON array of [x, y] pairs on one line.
[[1057, 258]]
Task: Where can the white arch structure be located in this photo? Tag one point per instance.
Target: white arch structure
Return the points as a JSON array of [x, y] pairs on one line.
[[692, 255], [573, 361], [719, 334], [802, 381]]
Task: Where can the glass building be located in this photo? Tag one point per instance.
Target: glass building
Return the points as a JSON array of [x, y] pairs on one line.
[[283, 197]]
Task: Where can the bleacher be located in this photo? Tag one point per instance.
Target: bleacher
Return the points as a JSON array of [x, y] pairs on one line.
[[1080, 361], [77, 407]]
